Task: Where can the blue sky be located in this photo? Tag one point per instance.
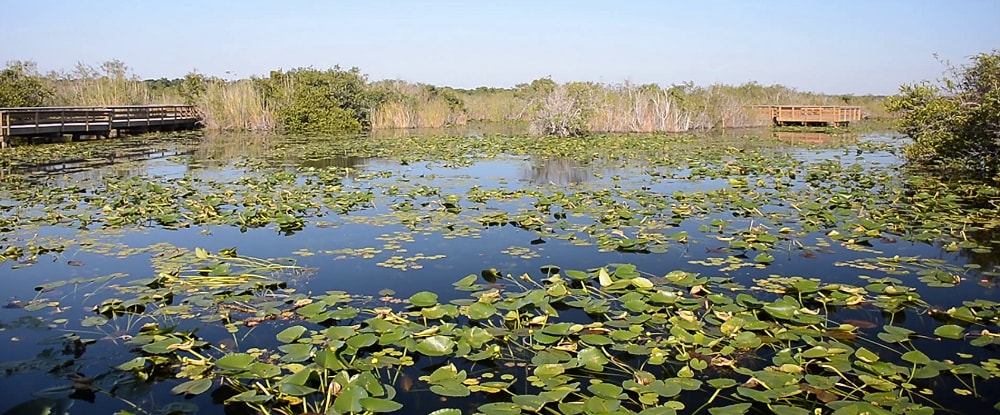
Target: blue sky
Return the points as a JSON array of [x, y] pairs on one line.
[[845, 46]]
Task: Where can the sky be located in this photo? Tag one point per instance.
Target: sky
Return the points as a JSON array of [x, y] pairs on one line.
[[835, 47]]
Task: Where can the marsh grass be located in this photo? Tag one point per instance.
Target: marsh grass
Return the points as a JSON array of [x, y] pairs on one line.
[[408, 105], [234, 106], [625, 108], [112, 83], [256, 104]]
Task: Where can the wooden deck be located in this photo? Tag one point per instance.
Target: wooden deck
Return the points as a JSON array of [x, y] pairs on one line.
[[54, 122], [809, 115]]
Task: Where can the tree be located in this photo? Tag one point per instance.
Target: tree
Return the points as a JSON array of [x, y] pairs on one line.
[[955, 123], [21, 86]]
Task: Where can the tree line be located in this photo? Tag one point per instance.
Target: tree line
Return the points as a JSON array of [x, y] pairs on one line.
[[339, 100]]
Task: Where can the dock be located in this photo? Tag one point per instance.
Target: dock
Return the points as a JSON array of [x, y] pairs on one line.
[[55, 122], [809, 115]]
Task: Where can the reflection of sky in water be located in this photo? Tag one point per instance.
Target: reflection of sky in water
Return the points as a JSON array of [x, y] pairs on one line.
[[463, 256]]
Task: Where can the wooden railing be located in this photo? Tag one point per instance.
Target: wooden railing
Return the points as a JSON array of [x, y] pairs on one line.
[[46, 120], [53, 121], [144, 115], [809, 114]]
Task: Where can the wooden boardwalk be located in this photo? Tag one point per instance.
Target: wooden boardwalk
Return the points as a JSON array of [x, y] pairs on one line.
[[54, 122], [809, 115]]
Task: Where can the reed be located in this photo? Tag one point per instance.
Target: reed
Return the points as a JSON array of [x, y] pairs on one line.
[[265, 104], [635, 109], [408, 105], [234, 106], [498, 105], [112, 83]]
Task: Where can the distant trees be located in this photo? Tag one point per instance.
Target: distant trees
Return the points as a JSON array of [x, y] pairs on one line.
[[21, 86], [955, 123], [336, 100]]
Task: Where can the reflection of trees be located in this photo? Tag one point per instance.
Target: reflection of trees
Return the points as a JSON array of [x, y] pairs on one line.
[[814, 138], [986, 260], [216, 150], [221, 150], [95, 168], [560, 171], [470, 130], [338, 161]]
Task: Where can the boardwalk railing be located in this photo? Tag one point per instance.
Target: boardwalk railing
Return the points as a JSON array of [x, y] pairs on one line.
[[99, 121], [809, 114]]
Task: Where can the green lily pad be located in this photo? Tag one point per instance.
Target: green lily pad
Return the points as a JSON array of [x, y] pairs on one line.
[[380, 405], [435, 346], [735, 409], [236, 362], [349, 399], [424, 299], [192, 387], [291, 334], [950, 331], [916, 357]]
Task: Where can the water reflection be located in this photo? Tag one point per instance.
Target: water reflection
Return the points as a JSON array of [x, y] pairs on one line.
[[344, 162], [557, 171], [471, 130], [814, 137], [219, 150]]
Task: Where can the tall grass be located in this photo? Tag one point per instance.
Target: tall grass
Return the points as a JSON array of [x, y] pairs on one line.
[[583, 106], [112, 83], [262, 104], [627, 108], [497, 105], [408, 105], [234, 106]]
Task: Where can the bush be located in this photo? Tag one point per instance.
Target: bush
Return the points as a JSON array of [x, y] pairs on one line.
[[20, 86], [307, 100], [954, 124]]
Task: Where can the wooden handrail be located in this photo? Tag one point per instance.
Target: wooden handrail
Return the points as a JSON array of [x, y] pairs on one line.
[[26, 121]]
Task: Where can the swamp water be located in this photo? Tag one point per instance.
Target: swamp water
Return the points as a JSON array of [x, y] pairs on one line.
[[496, 274]]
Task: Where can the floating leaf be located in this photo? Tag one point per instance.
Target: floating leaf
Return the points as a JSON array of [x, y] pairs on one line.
[[291, 334], [350, 398], [236, 361], [424, 299], [736, 409], [380, 405], [916, 357], [193, 387], [764, 258], [435, 346], [950, 331]]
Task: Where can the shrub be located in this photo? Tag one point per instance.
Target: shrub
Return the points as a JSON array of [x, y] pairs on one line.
[[955, 123], [20, 86], [307, 100]]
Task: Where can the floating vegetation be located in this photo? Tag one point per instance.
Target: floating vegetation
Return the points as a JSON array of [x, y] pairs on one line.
[[668, 274]]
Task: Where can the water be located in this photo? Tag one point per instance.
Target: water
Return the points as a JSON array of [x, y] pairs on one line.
[[413, 240]]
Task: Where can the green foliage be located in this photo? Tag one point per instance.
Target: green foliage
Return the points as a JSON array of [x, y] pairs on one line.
[[192, 87], [955, 124], [20, 86], [307, 100]]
